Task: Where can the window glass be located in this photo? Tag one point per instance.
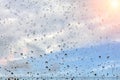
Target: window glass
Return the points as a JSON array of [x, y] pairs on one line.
[[59, 39]]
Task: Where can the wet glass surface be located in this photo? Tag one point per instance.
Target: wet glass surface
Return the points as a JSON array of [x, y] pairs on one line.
[[60, 39]]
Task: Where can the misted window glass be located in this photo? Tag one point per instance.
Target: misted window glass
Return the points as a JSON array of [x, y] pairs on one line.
[[59, 39]]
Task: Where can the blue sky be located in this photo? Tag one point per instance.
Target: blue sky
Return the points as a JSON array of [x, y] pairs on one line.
[[59, 38]]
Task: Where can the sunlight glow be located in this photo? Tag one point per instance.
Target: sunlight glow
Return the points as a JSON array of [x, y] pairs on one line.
[[115, 4]]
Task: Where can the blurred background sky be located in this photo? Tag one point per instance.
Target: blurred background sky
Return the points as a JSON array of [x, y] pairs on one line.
[[60, 38]]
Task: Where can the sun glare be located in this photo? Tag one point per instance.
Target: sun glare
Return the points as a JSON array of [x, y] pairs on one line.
[[115, 4]]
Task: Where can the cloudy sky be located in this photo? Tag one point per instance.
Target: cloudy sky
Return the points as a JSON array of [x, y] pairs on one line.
[[79, 38]]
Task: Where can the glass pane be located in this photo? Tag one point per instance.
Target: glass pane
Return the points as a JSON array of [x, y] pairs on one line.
[[59, 39]]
